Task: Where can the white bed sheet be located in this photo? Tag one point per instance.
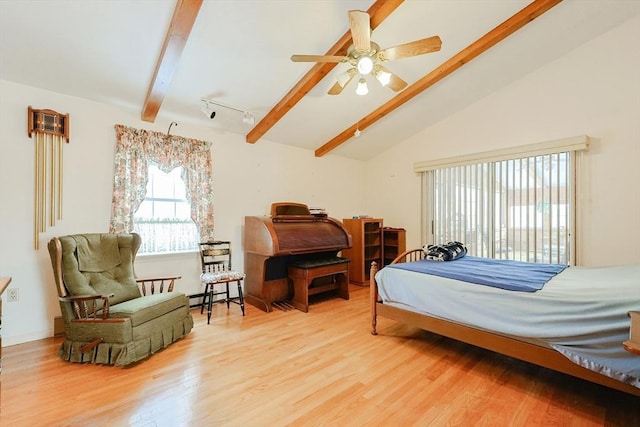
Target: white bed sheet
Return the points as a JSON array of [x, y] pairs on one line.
[[581, 312]]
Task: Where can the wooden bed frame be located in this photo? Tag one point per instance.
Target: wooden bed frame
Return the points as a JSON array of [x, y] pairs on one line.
[[509, 346]]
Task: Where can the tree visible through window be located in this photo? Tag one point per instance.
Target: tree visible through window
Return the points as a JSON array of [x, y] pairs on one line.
[[164, 216]]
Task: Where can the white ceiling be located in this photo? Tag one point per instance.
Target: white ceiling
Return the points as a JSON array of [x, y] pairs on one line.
[[238, 53]]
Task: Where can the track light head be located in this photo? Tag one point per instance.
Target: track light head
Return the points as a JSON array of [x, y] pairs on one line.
[[248, 118], [209, 112]]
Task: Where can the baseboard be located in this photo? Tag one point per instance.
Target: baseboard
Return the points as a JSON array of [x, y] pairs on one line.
[[21, 339]]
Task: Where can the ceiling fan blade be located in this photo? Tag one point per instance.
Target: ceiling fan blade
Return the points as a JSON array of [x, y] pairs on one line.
[[343, 80], [395, 83], [417, 47], [336, 89], [318, 58], [360, 30]]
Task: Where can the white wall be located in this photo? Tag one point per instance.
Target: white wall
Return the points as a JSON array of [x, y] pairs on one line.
[[593, 90], [247, 179]]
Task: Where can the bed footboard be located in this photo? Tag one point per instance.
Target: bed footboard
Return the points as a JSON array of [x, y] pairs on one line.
[[373, 296], [407, 256]]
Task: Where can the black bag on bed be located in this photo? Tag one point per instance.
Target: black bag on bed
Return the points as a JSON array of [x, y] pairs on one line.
[[447, 252]]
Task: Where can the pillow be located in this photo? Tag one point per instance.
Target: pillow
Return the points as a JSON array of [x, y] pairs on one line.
[[447, 252]]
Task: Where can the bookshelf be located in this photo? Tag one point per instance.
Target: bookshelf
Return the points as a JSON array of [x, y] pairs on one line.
[[366, 235], [394, 242]]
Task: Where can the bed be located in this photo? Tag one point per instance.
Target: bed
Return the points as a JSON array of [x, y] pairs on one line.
[[502, 320]]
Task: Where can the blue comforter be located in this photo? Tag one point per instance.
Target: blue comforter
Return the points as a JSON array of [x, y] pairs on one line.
[[499, 273]]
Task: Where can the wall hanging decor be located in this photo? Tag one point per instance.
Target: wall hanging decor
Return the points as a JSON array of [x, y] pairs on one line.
[[50, 128]]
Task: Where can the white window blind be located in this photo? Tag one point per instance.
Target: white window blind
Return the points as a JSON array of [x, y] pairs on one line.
[[512, 204]]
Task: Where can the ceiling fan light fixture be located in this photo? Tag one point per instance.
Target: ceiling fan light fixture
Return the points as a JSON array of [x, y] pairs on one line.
[[343, 78], [365, 65], [383, 77], [362, 88]]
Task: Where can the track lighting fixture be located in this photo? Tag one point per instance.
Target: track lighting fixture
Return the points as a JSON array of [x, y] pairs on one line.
[[247, 117]]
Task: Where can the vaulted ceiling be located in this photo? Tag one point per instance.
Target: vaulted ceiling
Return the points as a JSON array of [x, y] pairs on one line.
[[159, 58]]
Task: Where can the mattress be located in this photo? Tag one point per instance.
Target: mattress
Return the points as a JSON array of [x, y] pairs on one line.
[[582, 312]]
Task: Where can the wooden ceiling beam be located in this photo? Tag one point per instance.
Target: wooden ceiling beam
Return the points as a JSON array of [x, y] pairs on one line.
[[184, 16], [484, 43], [378, 12]]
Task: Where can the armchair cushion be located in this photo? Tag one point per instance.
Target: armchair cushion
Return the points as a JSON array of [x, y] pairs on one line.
[[141, 310], [118, 280], [97, 252]]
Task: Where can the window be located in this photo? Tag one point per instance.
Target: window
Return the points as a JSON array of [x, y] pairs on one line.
[[162, 188], [164, 216], [519, 208]]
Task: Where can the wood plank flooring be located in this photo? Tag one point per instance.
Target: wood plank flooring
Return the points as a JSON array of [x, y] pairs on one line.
[[321, 368]]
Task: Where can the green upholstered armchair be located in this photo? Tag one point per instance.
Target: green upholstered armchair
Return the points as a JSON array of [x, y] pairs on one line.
[[111, 317]]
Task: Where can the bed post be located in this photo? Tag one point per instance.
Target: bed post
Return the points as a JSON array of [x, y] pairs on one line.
[[373, 294]]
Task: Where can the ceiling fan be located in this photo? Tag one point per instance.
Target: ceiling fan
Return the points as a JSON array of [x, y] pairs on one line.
[[366, 57]]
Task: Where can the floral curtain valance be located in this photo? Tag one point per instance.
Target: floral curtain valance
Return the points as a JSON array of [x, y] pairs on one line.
[[135, 148]]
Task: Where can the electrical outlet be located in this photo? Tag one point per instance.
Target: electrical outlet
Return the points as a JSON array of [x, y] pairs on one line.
[[12, 296]]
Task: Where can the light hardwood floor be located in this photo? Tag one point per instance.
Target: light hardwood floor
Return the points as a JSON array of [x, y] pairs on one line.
[[321, 368]]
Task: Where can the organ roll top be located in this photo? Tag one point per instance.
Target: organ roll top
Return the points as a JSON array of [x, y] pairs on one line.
[[289, 234]]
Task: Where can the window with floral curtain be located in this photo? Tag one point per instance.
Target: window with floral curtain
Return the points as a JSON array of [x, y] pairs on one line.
[[138, 150]]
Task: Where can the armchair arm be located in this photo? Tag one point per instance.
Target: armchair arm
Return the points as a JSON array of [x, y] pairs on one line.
[[85, 307], [149, 285]]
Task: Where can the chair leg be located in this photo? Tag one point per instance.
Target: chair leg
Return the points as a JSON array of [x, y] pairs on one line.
[[210, 305], [204, 297], [241, 296], [228, 295]]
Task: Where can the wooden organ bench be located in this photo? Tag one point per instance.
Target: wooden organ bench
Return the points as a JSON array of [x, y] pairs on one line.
[[332, 274]]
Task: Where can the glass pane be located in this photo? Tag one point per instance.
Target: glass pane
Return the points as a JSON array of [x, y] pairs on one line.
[[164, 218], [514, 209], [183, 210], [145, 210], [179, 188], [163, 209]]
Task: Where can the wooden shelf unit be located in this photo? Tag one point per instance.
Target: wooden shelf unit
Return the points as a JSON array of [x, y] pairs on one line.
[[394, 242], [366, 235]]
